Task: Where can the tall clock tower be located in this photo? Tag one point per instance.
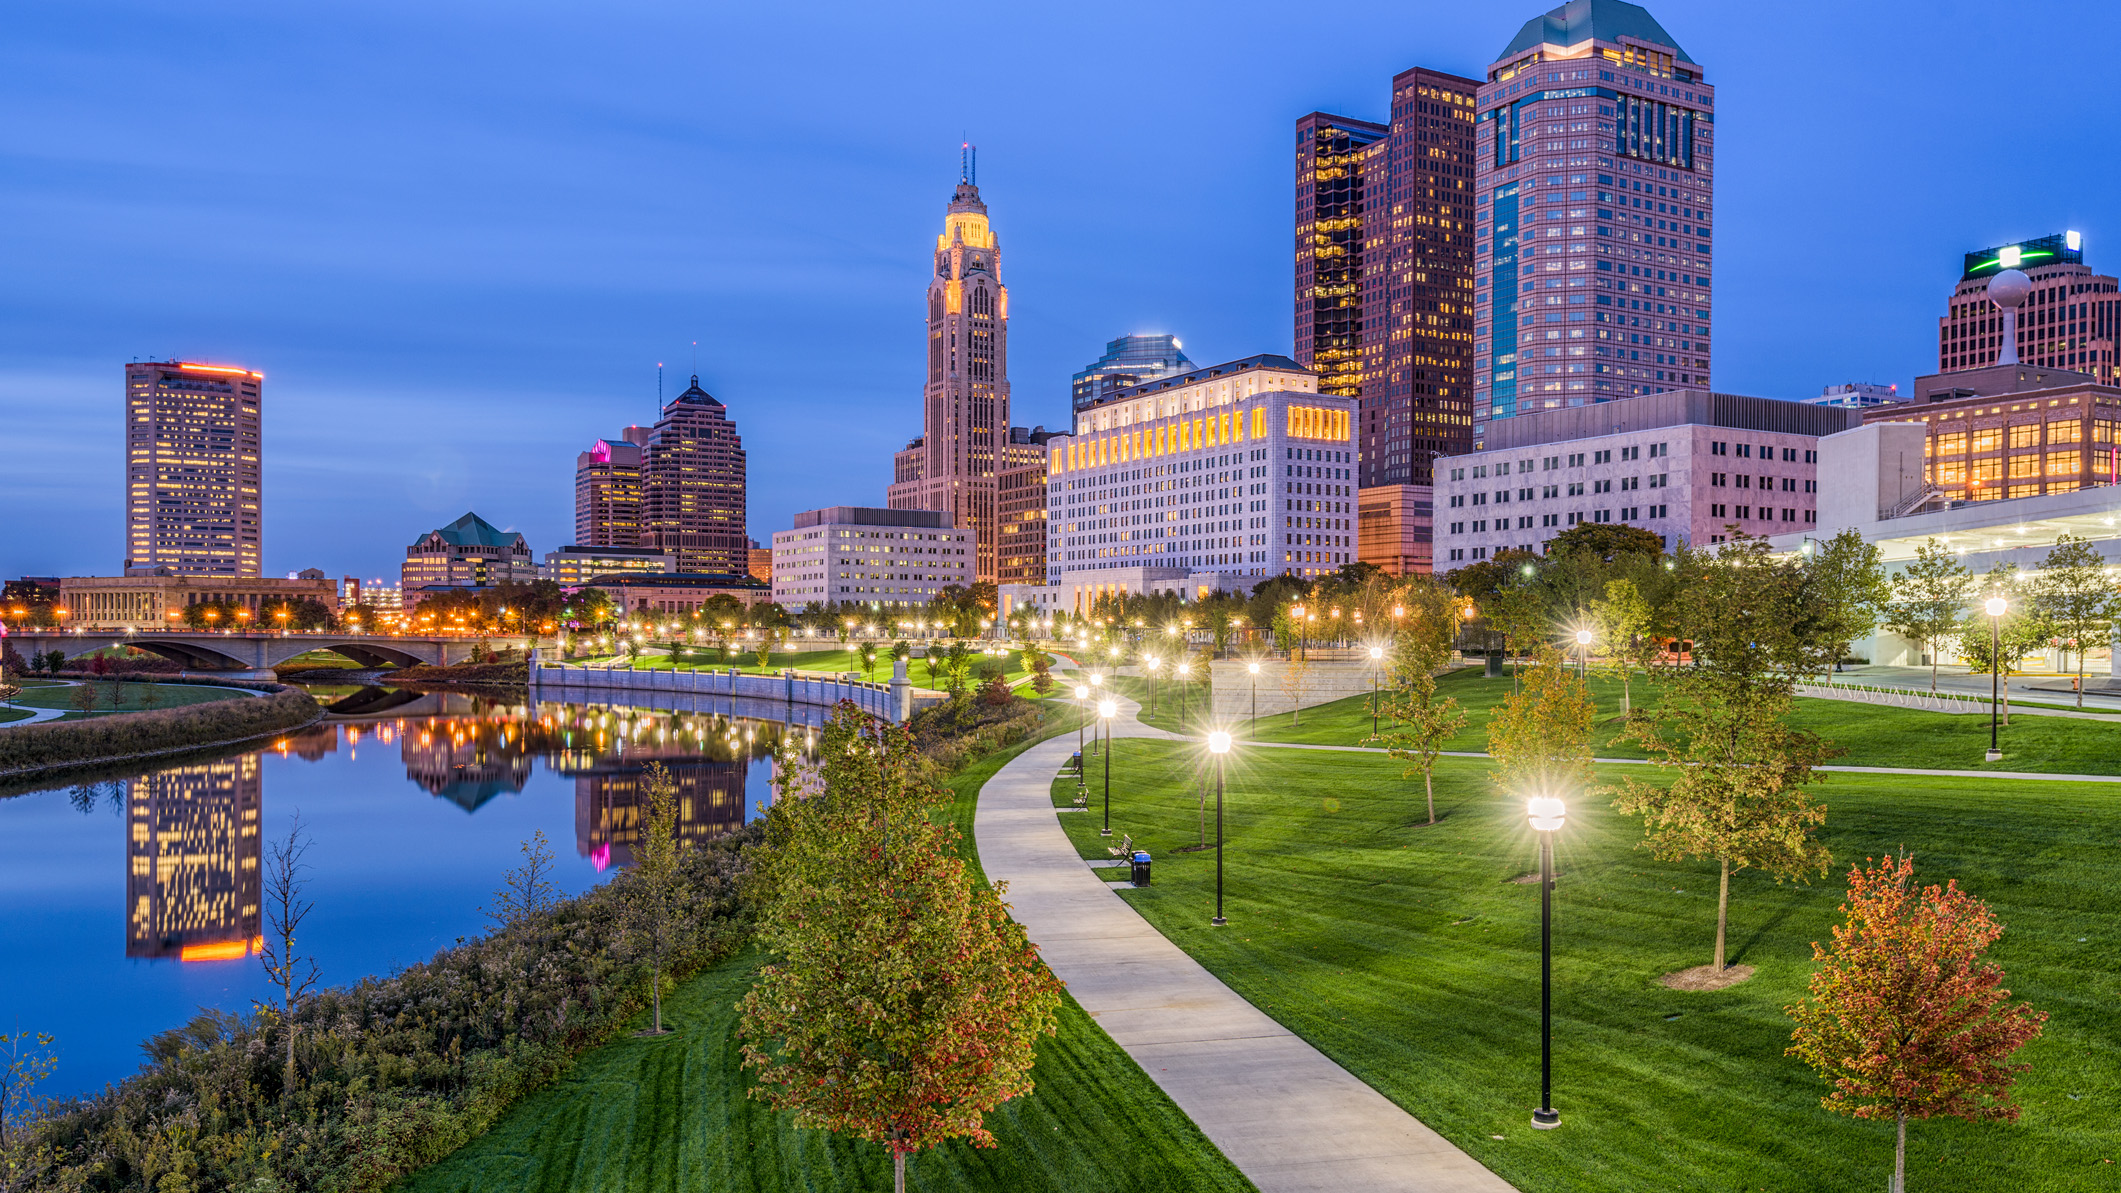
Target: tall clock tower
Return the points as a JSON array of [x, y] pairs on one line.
[[953, 466]]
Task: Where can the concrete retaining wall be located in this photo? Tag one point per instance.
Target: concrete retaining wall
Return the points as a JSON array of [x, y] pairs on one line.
[[1323, 683], [706, 690]]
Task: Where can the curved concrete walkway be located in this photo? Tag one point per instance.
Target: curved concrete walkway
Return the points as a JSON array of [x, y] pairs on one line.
[[1289, 1118]]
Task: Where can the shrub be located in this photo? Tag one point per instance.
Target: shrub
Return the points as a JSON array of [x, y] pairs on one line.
[[59, 743]]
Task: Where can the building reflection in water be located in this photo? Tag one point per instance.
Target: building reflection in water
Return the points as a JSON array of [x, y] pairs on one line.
[[610, 797], [192, 856], [466, 760]]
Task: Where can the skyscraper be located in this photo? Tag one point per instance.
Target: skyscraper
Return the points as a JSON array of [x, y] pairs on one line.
[[193, 502], [607, 495], [192, 852], [693, 502], [1595, 186], [2066, 322], [1128, 361], [953, 466], [1384, 270]]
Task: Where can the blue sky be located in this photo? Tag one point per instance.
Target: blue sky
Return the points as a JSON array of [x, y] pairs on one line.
[[458, 237]]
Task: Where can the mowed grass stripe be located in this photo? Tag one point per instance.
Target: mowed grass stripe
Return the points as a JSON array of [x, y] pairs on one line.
[[1405, 953]]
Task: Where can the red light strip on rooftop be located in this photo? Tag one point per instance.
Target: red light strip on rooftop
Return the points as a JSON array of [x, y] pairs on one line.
[[218, 369]]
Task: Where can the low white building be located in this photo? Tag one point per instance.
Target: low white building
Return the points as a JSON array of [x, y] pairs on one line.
[[883, 558], [573, 566], [1210, 480]]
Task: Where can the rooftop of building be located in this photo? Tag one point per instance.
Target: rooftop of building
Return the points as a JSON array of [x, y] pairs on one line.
[[1669, 408], [473, 531], [695, 396], [866, 515], [1994, 381], [578, 549], [1264, 360], [1037, 434], [1580, 21], [2060, 248]]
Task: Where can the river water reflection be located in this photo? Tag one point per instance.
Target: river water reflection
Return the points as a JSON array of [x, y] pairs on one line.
[[127, 904]]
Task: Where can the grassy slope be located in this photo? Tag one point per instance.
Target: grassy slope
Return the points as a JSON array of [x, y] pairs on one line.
[[674, 1113], [1404, 952], [1873, 735], [167, 695]]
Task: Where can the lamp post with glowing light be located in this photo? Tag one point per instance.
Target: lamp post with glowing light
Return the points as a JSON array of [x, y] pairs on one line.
[[1184, 670], [1097, 682], [1252, 671], [1546, 813], [1583, 654], [1377, 666], [1218, 745], [1105, 710], [1082, 701], [1995, 607]]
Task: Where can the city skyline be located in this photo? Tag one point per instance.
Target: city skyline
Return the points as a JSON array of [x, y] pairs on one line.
[[450, 325]]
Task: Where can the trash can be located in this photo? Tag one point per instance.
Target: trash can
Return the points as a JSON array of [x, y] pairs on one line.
[[1141, 868], [1078, 760], [1494, 670]]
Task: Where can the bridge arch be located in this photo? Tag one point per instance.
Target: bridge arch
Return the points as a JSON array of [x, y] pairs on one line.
[[368, 654], [192, 656]]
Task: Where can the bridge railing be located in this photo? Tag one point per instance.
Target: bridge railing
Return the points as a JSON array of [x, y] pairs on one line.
[[784, 687]]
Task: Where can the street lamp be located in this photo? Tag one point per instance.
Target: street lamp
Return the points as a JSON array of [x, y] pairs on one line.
[[1105, 709], [1252, 670], [1583, 653], [1184, 670], [1082, 700], [1377, 666], [1546, 813], [1149, 664], [1218, 745], [1995, 607]]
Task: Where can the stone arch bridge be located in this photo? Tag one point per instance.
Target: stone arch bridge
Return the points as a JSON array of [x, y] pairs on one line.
[[203, 650]]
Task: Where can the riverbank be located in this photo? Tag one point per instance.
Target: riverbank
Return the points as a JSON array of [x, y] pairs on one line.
[[45, 752]]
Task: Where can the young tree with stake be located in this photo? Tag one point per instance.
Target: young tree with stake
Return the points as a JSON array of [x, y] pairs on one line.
[[293, 971], [1929, 597], [1623, 620], [652, 885], [1907, 1018], [1421, 648], [2076, 598]]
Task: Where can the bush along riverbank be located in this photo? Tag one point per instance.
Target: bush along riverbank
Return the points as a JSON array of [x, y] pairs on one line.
[[31, 751], [395, 1072]]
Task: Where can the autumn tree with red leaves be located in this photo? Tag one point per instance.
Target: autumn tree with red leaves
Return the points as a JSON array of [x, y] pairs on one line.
[[1906, 1018], [902, 1003]]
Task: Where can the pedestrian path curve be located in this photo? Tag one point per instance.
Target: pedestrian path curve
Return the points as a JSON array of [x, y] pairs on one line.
[[1289, 1118]]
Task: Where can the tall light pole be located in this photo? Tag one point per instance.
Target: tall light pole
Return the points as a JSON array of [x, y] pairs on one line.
[[1218, 745], [1184, 670], [1583, 654], [1149, 664], [1996, 607], [1082, 701], [1546, 813], [1097, 680], [1252, 726], [1105, 709], [1377, 666]]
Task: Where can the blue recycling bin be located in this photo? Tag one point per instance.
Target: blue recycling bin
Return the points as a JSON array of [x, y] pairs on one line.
[[1141, 867]]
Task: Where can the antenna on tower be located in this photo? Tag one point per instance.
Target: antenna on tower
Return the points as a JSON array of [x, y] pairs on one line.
[[968, 162], [659, 385]]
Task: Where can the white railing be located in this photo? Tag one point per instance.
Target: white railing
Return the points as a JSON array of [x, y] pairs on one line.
[[1951, 702], [784, 687]]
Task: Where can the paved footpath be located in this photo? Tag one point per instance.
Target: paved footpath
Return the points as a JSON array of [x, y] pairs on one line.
[[1289, 1118]]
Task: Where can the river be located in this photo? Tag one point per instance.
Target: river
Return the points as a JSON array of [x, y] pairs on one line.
[[127, 904]]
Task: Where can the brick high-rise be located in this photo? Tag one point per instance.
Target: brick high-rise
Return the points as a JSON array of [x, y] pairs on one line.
[[193, 499], [1384, 271], [2068, 321], [953, 467], [1596, 182], [693, 495]]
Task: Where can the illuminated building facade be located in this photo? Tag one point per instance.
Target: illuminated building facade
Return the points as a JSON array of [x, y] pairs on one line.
[[575, 565], [955, 465], [2067, 322], [192, 855], [1596, 183], [693, 494], [193, 498], [888, 558], [1212, 480], [160, 597], [1021, 493], [1384, 271], [468, 553], [1128, 361], [607, 494], [2009, 431]]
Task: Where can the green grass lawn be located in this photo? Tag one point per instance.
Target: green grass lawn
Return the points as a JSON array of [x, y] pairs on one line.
[[324, 658], [167, 695], [1407, 954], [1872, 735], [674, 1112], [14, 714]]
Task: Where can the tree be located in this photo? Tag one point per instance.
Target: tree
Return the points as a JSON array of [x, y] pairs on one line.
[[528, 889], [901, 1003], [1736, 791], [1998, 648], [293, 971], [83, 697], [1623, 621], [2076, 598], [1841, 590], [652, 885], [1296, 684], [763, 652], [869, 659], [1907, 1018], [1928, 599], [1541, 735], [1421, 726], [150, 694], [26, 1059], [1606, 540]]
